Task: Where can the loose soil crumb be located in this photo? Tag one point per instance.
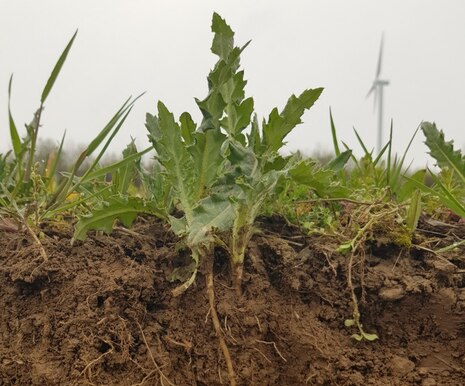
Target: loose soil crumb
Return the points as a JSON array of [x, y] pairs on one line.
[[100, 312]]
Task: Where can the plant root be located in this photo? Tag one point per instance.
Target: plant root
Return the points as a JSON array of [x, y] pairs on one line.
[[37, 242], [238, 273], [216, 323], [163, 377]]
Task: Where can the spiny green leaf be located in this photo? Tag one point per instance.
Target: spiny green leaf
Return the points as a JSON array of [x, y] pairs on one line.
[[238, 118], [207, 158], [279, 125], [188, 127], [125, 210], [123, 175], [307, 173], [443, 152], [214, 213], [172, 152], [223, 41]]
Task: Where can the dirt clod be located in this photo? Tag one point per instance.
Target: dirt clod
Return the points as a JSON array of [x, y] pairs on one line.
[[101, 312]]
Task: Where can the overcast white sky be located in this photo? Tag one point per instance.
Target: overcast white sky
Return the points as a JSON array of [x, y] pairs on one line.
[[163, 47]]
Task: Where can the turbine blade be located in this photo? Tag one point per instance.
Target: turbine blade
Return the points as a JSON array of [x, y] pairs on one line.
[[375, 99], [372, 89], [380, 57]]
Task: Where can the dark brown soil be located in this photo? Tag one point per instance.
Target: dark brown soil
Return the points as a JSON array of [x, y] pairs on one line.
[[100, 312]]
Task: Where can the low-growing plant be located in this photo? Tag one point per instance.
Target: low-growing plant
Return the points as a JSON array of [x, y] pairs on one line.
[[29, 192], [449, 186]]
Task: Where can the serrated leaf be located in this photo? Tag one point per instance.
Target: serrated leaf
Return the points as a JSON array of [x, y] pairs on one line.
[[207, 158], [279, 125], [223, 41], [173, 154], [123, 175], [307, 173], [238, 118], [188, 127], [443, 151], [214, 213], [125, 210], [212, 108]]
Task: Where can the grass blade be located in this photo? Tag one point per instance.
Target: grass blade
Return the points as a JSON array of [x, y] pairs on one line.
[[333, 134], [362, 144], [56, 71], [114, 166], [15, 140]]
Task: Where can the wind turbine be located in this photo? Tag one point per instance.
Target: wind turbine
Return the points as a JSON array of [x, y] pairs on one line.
[[377, 89]]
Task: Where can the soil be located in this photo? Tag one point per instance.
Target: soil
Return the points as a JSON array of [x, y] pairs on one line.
[[100, 312]]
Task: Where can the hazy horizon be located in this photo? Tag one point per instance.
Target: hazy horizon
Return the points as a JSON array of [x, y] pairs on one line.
[[124, 48]]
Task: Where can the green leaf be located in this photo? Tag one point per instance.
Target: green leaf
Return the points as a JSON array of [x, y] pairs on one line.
[[125, 210], [112, 127], [448, 198], [370, 337], [188, 127], [340, 161], [413, 211], [337, 151], [279, 125], [213, 214], [207, 159], [349, 322], [126, 161], [362, 144], [345, 248], [308, 173], [56, 160], [56, 70], [122, 176], [444, 195], [409, 187], [172, 153], [15, 140], [443, 152], [223, 41]]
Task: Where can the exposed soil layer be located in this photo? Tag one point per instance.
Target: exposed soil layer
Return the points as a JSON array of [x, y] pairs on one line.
[[101, 312]]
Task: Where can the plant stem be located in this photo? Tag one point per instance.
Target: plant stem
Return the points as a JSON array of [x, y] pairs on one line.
[[216, 322], [37, 241], [35, 133]]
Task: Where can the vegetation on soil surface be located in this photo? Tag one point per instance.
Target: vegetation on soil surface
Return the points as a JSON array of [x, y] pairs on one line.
[[210, 181]]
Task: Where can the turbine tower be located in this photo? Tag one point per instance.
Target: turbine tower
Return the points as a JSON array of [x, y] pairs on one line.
[[377, 89]]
